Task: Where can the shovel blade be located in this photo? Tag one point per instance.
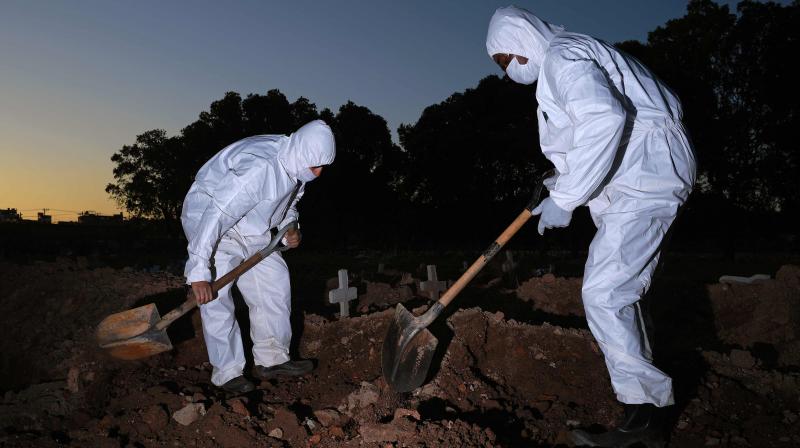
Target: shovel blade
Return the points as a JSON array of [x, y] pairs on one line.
[[127, 324], [147, 344], [408, 350]]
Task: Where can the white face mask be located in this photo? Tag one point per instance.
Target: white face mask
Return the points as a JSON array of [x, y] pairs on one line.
[[306, 175], [523, 74]]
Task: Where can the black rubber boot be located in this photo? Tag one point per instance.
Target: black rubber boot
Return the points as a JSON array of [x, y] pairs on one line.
[[289, 368], [239, 385], [642, 425]]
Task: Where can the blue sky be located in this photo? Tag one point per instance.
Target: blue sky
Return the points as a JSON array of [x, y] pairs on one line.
[[80, 79]]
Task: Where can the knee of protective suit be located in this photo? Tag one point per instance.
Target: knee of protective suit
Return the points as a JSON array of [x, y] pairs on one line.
[[216, 315], [596, 295], [614, 290]]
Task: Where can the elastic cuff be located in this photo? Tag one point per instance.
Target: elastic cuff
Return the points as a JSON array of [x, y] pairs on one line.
[[660, 402], [270, 357], [201, 274], [562, 204], [220, 377]]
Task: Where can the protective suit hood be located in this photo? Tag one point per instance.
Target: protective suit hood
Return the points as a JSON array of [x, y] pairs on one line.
[[311, 145], [516, 31]]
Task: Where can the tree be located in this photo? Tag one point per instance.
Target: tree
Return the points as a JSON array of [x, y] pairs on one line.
[[732, 73], [470, 159], [354, 200], [475, 148], [151, 177], [763, 106], [474, 156]]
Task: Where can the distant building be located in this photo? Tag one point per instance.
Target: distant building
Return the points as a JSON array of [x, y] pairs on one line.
[[44, 218], [10, 215], [92, 218]]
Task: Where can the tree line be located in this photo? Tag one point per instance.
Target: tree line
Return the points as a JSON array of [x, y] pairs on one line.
[[470, 161]]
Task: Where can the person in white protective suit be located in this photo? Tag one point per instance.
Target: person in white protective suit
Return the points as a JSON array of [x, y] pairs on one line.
[[613, 131], [242, 193]]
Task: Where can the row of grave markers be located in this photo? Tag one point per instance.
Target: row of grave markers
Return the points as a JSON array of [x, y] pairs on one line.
[[433, 286], [345, 293]]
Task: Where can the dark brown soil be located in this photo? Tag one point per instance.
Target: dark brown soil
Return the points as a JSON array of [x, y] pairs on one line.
[[499, 379], [764, 314]]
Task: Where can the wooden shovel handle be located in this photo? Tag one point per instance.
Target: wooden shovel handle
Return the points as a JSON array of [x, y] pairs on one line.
[[221, 282], [170, 317], [495, 247], [487, 255], [235, 272]]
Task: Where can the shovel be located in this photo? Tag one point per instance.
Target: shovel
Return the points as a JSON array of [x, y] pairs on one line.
[[141, 332], [409, 346]]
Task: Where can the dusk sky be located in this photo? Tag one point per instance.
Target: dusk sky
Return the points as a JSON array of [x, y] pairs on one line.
[[80, 79]]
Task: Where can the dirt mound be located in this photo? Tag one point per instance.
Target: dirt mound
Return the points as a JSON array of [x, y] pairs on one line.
[[381, 295], [495, 382], [765, 312], [740, 405], [479, 397], [524, 382], [377, 292], [764, 315], [554, 295], [52, 308]]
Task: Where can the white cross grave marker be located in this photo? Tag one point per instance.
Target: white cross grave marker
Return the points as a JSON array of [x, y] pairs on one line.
[[433, 285], [510, 271], [509, 265], [343, 294]]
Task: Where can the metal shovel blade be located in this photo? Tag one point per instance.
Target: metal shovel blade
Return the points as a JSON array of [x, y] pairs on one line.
[[149, 343], [407, 351], [132, 334], [127, 324]]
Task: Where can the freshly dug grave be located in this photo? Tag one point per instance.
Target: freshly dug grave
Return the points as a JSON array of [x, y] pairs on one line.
[[497, 382], [763, 316]]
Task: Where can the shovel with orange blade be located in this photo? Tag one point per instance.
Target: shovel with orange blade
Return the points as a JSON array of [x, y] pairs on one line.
[[141, 332]]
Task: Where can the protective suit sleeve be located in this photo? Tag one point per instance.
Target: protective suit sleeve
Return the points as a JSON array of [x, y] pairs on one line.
[[237, 193], [598, 120]]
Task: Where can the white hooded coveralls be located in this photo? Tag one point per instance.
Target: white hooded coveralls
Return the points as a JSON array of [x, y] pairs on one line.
[[614, 134], [248, 188]]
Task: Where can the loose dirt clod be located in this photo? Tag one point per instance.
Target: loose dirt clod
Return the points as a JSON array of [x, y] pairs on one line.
[[189, 413], [327, 417]]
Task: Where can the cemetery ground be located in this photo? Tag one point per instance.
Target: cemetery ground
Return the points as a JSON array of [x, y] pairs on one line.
[[516, 366]]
